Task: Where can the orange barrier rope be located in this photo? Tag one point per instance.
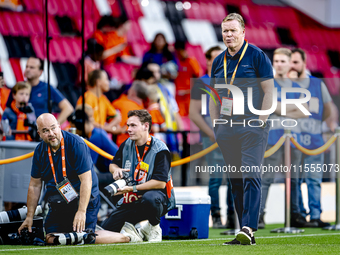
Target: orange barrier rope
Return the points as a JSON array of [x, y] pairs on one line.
[[202, 153], [15, 159], [316, 151], [173, 164], [274, 149], [195, 156], [98, 150]]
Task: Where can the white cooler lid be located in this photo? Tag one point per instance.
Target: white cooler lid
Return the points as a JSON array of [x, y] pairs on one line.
[[191, 198]]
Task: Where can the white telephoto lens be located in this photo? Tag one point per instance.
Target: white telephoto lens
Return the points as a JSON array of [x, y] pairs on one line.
[[118, 185]]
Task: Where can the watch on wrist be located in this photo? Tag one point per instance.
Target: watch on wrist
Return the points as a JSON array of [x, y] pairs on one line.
[[264, 125], [134, 189]]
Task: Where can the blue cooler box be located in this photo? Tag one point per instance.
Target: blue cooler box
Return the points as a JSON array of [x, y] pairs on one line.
[[190, 218]]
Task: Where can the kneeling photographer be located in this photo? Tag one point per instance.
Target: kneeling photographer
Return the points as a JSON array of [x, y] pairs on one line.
[[62, 160], [142, 164]]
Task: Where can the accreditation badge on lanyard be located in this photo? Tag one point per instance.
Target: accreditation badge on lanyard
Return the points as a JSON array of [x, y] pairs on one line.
[[227, 102], [227, 106], [65, 187], [142, 168]]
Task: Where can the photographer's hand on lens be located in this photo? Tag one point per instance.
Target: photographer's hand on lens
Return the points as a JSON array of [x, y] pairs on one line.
[[118, 173], [28, 223], [124, 190], [79, 221]]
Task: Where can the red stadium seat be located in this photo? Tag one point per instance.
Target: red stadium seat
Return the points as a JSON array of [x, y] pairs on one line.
[[21, 18], [121, 71], [329, 38], [11, 22], [69, 48], [135, 33], [111, 70], [74, 8], [126, 71], [69, 8], [332, 80], [90, 10], [301, 37], [62, 49], [89, 26], [216, 12], [195, 12], [115, 8], [203, 11], [53, 7], [57, 53], [25, 24], [3, 26], [35, 24], [38, 46], [321, 61], [53, 26], [76, 46], [72, 47], [262, 36], [197, 52], [133, 9], [15, 63], [312, 64], [140, 48], [33, 5]]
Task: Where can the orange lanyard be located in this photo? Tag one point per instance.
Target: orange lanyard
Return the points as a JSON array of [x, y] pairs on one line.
[[147, 146], [62, 160], [234, 73]]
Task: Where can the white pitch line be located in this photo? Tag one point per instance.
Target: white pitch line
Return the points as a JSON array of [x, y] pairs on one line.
[[163, 242]]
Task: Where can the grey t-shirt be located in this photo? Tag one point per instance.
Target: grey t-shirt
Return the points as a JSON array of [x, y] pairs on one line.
[[284, 83], [326, 97]]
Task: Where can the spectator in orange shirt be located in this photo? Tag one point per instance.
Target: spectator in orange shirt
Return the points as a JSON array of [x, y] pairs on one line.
[[112, 35], [105, 115], [4, 93], [188, 68], [132, 101]]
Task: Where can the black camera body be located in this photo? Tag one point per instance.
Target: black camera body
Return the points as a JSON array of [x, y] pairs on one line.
[[25, 237], [9, 233]]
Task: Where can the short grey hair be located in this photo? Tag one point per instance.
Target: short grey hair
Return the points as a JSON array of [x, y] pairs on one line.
[[235, 16]]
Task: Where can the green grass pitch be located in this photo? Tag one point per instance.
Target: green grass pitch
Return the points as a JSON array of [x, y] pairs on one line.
[[312, 241]]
